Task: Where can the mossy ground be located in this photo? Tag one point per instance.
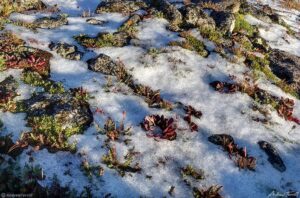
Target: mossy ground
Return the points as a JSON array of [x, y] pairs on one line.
[[242, 26], [191, 43]]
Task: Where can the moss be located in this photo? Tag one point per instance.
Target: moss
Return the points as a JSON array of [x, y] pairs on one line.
[[212, 35], [262, 65], [2, 63], [288, 28], [242, 26], [34, 79], [191, 43]]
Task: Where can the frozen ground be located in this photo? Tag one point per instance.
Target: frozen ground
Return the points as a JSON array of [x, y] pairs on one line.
[[181, 75]]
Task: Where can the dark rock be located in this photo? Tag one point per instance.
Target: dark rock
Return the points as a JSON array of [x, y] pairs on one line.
[[125, 7], [170, 12], [8, 89], [225, 21], [51, 22], [66, 50], [286, 66], [273, 155], [194, 16], [103, 64], [221, 139], [65, 107]]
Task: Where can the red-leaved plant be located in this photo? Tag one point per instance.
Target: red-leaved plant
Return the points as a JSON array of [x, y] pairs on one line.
[[166, 125]]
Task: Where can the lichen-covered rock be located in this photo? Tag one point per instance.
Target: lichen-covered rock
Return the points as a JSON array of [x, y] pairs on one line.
[[8, 89], [125, 7], [104, 64], [286, 66], [66, 50], [65, 107], [51, 22], [22, 5], [54, 118], [170, 12], [194, 16], [232, 6], [104, 39], [273, 155], [262, 12], [225, 21], [93, 21]]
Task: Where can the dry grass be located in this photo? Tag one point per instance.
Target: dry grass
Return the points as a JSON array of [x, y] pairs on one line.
[[291, 4]]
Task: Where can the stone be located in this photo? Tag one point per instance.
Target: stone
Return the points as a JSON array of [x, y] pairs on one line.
[[93, 21], [51, 22], [225, 21], [65, 107], [104, 64], [125, 7], [286, 66], [273, 155], [170, 12], [262, 12], [66, 50], [194, 16]]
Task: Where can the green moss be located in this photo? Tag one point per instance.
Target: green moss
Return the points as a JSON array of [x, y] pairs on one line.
[[2, 63], [289, 29], [34, 79], [242, 26], [191, 43], [212, 35]]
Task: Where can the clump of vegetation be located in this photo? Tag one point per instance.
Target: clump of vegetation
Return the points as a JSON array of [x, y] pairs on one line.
[[35, 79], [18, 56], [167, 126], [189, 171], [211, 192], [239, 155], [284, 106], [191, 43], [90, 170], [242, 26], [25, 180], [111, 160], [49, 131], [212, 35], [112, 131]]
